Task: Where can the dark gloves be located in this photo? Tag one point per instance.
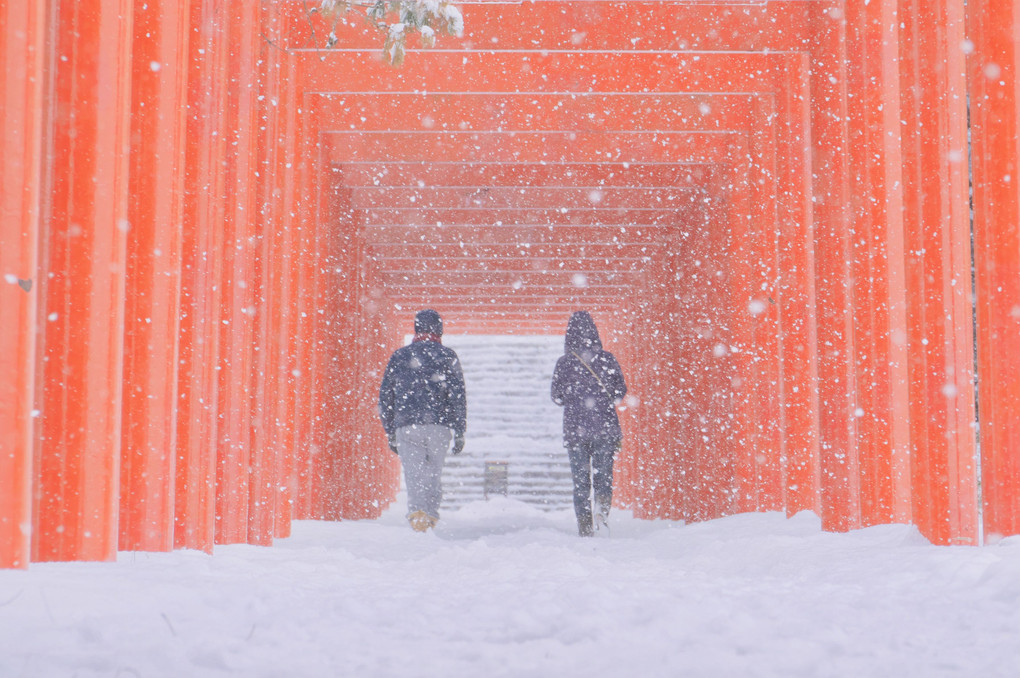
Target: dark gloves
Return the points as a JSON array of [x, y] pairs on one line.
[[393, 442], [458, 443]]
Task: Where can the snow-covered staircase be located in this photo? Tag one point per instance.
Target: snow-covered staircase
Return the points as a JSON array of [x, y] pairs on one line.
[[510, 418]]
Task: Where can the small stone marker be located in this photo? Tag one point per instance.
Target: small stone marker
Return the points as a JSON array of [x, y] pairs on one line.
[[495, 478]]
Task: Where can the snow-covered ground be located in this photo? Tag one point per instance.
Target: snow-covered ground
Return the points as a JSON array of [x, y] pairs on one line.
[[505, 589]]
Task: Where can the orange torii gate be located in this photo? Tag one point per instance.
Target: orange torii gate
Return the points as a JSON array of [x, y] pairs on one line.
[[213, 234]]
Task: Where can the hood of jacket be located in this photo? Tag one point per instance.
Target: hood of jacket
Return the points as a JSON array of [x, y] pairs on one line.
[[582, 336]]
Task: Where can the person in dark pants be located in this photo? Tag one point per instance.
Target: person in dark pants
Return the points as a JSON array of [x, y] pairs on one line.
[[589, 384], [423, 406]]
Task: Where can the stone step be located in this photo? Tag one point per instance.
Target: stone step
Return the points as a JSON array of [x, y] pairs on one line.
[[510, 418]]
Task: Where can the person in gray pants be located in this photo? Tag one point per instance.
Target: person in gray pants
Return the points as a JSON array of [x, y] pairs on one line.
[[422, 449], [423, 407]]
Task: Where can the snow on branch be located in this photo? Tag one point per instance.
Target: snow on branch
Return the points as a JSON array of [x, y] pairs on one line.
[[397, 19]]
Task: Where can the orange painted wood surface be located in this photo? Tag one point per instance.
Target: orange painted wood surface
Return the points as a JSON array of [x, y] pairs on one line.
[[201, 270], [882, 413], [992, 71], [234, 468], [21, 128], [937, 269], [83, 252], [152, 278]]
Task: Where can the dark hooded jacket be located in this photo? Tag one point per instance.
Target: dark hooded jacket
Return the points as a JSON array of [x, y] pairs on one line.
[[423, 383], [588, 384]]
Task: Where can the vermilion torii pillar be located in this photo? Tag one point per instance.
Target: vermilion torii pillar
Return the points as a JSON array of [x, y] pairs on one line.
[[83, 243], [152, 277], [21, 97], [992, 68]]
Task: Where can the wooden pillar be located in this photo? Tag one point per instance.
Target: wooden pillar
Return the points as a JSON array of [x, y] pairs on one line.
[[938, 269], [285, 198], [201, 265], [760, 307], [840, 504], [883, 413], [275, 306], [87, 222], [749, 246], [995, 150], [308, 450], [623, 467], [234, 461], [658, 452], [334, 415], [641, 385], [665, 409], [674, 325], [267, 430], [685, 244], [22, 27], [354, 433], [718, 472], [795, 293], [306, 492], [748, 306], [152, 301]]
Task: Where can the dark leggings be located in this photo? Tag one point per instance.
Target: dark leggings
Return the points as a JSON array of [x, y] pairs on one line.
[[591, 463]]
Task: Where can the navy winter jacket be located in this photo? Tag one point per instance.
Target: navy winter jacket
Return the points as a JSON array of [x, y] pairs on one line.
[[589, 407], [423, 384]]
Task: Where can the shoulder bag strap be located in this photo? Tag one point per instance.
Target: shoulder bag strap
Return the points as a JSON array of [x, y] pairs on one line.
[[588, 367]]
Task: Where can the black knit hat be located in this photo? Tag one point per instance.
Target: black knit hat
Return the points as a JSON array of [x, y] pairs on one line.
[[428, 321]]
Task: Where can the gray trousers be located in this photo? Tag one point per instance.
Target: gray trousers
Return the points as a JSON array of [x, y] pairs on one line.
[[422, 449]]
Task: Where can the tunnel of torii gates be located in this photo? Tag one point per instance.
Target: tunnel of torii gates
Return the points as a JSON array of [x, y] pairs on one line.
[[794, 222]]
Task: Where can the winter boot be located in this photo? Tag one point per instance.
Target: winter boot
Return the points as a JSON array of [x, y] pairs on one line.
[[419, 521], [584, 525]]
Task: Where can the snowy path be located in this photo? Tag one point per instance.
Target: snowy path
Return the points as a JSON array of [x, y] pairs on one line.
[[505, 589]]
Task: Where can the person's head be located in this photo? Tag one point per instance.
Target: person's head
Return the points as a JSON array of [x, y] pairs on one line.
[[428, 321], [582, 334]]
